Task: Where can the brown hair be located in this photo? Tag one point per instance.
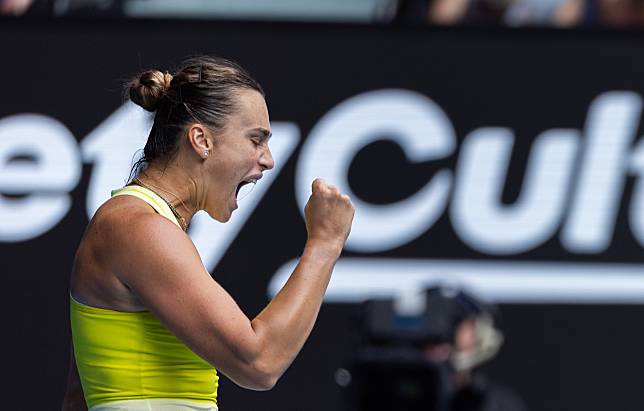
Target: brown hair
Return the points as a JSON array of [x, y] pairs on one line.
[[202, 90]]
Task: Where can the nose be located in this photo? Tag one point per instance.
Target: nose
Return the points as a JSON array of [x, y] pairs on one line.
[[266, 159]]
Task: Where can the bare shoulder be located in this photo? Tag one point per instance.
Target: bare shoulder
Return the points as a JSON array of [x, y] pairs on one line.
[[117, 216], [130, 229], [124, 233]]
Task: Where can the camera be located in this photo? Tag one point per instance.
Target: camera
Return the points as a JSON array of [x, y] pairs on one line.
[[411, 350]]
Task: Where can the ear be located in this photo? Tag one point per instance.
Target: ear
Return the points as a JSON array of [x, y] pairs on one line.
[[200, 140]]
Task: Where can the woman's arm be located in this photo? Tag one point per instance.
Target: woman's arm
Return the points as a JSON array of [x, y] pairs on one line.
[[289, 318], [163, 268], [74, 399]]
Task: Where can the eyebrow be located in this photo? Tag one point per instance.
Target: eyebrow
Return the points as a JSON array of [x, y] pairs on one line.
[[266, 133]]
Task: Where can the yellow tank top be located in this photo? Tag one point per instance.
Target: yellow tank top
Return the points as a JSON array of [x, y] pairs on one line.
[[131, 355]]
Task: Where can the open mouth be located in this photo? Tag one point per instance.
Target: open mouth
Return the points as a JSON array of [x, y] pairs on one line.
[[245, 187]]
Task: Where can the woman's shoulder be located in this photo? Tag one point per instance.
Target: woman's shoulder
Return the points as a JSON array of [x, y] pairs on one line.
[[120, 212], [124, 232], [123, 219], [126, 211], [106, 245]]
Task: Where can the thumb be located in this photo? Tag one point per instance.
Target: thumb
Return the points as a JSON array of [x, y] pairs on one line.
[[317, 185]]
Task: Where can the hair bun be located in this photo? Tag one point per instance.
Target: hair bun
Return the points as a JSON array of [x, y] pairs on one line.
[[149, 88]]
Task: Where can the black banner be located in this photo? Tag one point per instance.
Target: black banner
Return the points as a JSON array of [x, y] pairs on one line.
[[507, 162]]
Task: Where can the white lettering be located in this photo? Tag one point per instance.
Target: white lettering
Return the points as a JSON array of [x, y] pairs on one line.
[[358, 279], [610, 130], [112, 148], [52, 170], [476, 211], [412, 120]]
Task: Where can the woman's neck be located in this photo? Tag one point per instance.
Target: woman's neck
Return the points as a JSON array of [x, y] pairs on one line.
[[175, 186]]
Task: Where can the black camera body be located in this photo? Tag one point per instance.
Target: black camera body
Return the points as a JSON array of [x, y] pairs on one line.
[[391, 370]]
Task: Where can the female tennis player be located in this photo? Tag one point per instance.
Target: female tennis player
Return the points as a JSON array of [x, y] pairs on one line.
[[150, 326]]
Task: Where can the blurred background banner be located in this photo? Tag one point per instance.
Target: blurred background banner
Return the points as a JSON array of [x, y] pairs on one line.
[[507, 162]]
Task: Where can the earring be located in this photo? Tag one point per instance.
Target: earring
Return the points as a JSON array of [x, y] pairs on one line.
[[205, 153]]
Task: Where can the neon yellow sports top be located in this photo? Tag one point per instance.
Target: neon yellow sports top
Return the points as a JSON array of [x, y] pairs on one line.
[[131, 355]]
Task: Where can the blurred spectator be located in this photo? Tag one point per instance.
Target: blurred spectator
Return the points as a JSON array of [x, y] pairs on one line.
[[449, 12], [14, 7], [558, 13], [613, 13], [475, 342]]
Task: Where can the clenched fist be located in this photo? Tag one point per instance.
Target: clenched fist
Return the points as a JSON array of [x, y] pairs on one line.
[[328, 213]]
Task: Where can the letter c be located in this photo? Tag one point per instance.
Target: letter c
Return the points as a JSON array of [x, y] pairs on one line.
[[414, 122]]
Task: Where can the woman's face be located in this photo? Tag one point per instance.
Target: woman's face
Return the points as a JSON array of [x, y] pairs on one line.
[[240, 155]]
